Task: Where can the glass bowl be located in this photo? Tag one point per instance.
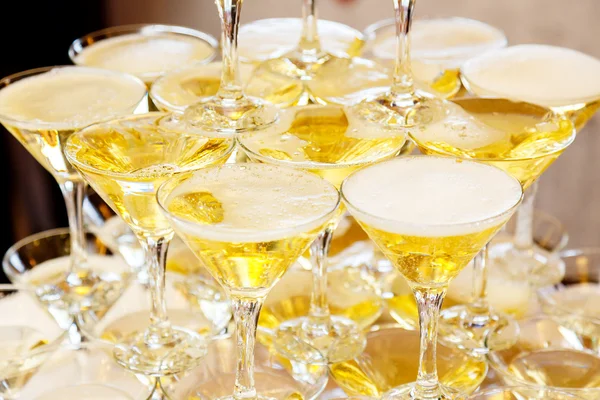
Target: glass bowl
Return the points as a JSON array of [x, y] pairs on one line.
[[391, 359], [575, 302], [84, 371], [275, 377], [523, 393], [28, 337], [547, 355], [40, 263]]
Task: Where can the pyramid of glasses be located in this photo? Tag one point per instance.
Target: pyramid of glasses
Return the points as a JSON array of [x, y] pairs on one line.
[[257, 225]]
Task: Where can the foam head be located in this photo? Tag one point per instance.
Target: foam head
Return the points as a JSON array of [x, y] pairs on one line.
[[431, 196], [250, 203], [545, 75], [69, 98]]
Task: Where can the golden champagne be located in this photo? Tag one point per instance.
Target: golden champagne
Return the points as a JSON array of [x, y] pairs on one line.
[[520, 138], [147, 53], [327, 140], [438, 48], [181, 88], [384, 365], [249, 223], [126, 160], [564, 80], [44, 108], [428, 240]]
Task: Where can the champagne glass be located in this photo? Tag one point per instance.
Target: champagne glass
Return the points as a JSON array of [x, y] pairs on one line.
[[230, 111], [427, 240], [42, 108], [125, 161], [248, 223]]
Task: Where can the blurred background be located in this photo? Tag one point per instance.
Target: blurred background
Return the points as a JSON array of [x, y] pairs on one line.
[[570, 190]]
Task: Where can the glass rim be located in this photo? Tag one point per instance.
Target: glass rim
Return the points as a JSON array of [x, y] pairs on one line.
[[89, 39], [162, 197], [567, 102], [127, 176], [498, 216], [371, 31], [311, 165], [503, 160], [502, 370], [16, 77]]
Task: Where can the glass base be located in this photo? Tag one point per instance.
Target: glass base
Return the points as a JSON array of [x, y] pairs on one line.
[[408, 111], [178, 350], [540, 267], [220, 116], [405, 392], [258, 397], [342, 341], [471, 334]]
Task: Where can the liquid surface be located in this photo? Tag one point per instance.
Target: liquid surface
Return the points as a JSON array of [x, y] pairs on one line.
[[146, 55], [126, 160], [179, 89], [248, 223], [327, 140], [520, 138], [546, 75], [448, 41], [577, 307], [68, 98]]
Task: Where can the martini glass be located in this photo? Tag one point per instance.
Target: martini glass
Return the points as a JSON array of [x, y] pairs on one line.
[[439, 47], [270, 38], [331, 142], [248, 224], [230, 111], [125, 160], [42, 108], [401, 104], [563, 80], [430, 241], [520, 138]]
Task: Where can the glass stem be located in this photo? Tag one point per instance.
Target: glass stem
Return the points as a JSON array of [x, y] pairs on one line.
[[402, 85], [231, 82], [429, 303], [310, 44], [523, 239], [246, 311], [478, 308], [156, 250], [73, 193], [319, 307]]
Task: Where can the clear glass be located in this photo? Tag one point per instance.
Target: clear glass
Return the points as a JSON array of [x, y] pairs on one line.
[[384, 364], [523, 393], [148, 30], [274, 376], [46, 144], [547, 355], [230, 111], [127, 177], [246, 299], [28, 337], [401, 105], [84, 371], [573, 303], [38, 263]]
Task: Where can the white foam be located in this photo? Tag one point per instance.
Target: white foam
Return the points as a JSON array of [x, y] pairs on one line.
[[69, 98], [450, 41], [146, 56], [173, 96], [431, 196], [545, 75], [260, 202]]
